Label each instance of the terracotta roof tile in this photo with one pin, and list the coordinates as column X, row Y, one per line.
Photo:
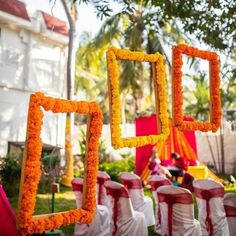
column 15, row 8
column 55, row 24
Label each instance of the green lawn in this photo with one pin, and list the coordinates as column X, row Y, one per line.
column 65, row 200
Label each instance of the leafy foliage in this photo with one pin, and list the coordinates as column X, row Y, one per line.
column 10, row 171
column 114, row 168
column 151, row 26
column 101, row 147
column 205, row 19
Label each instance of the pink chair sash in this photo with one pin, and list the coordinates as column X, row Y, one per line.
column 158, row 183
column 155, row 184
column 77, row 187
column 101, row 181
column 116, row 194
column 230, row 211
column 207, row 195
column 170, row 200
column 132, row 183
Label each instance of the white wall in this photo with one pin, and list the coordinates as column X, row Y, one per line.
column 229, row 138
column 28, row 63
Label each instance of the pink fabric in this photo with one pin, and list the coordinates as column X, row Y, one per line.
column 207, row 195
column 116, row 194
column 230, row 211
column 170, row 199
column 77, row 186
column 101, row 181
column 131, row 183
column 148, row 126
column 154, row 167
column 143, row 153
column 7, row 216
column 158, row 183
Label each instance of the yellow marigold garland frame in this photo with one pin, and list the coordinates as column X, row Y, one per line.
column 177, row 90
column 114, row 54
column 27, row 223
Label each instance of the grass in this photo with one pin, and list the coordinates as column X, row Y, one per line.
column 65, row 200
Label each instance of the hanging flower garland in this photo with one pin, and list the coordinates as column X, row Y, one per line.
column 114, row 54
column 177, row 94
column 28, row 223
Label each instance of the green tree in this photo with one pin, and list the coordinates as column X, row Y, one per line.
column 197, row 98
column 136, row 31
column 155, row 25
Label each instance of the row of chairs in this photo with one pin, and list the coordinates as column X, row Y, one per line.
column 124, row 210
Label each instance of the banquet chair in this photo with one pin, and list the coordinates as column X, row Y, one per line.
column 101, row 191
column 100, row 225
column 157, row 181
column 140, row 202
column 230, row 211
column 126, row 221
column 211, row 213
column 177, row 212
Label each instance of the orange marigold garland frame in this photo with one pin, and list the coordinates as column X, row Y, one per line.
column 177, row 90
column 114, row 54
column 27, row 223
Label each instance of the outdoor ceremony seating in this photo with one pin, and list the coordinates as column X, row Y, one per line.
column 140, row 202
column 126, row 221
column 230, row 211
column 177, row 212
column 211, row 213
column 100, row 226
column 157, row 181
column 101, row 190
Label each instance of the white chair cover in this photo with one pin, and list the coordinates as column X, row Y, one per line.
column 126, row 221
column 140, row 202
column 101, row 190
column 230, row 211
column 211, row 213
column 177, row 212
column 101, row 223
column 157, row 181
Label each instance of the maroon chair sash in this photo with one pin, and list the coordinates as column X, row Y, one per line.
column 170, row 200
column 116, row 194
column 131, row 183
column 158, row 183
column 230, row 211
column 77, row 187
column 207, row 195
column 101, row 181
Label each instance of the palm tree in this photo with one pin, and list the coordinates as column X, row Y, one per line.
column 137, row 31
column 197, row 98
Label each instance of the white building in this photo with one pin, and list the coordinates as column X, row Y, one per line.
column 33, row 52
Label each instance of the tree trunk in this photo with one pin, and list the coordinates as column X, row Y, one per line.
column 69, row 174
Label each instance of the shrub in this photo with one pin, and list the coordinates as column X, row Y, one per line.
column 114, row 168
column 10, row 171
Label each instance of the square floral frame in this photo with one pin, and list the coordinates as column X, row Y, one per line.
column 27, row 223
column 177, row 90
column 114, row 54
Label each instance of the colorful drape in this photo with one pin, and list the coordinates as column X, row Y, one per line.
column 182, row 142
